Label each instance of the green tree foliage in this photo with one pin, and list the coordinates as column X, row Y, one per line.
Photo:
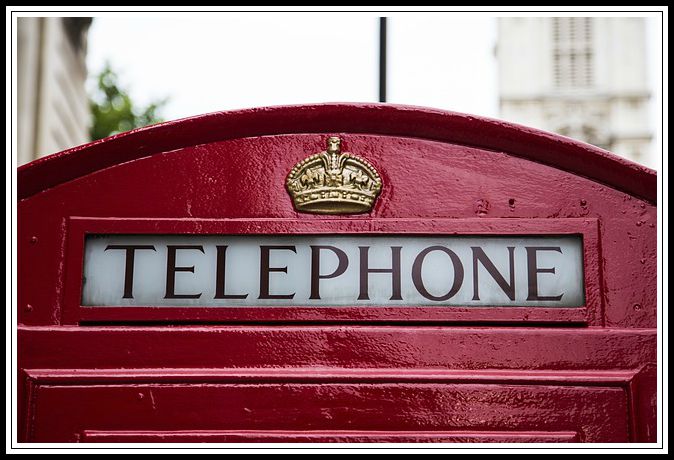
column 114, row 112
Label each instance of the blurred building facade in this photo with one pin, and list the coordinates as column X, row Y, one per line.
column 53, row 108
column 580, row 77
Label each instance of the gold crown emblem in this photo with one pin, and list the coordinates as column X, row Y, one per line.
column 332, row 182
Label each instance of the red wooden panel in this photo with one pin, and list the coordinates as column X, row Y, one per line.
column 414, row 347
column 597, row 414
column 208, row 355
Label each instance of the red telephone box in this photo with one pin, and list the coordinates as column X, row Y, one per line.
column 336, row 273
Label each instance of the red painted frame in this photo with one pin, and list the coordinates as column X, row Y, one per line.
column 560, row 152
column 78, row 227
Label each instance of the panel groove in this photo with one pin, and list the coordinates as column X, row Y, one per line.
column 313, row 375
column 328, row 436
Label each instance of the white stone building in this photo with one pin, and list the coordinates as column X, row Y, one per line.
column 53, row 108
column 577, row 76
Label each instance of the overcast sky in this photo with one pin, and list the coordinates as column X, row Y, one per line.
column 235, row 60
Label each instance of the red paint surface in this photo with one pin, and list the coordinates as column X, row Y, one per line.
column 338, row 374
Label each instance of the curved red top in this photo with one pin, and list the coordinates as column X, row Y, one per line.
column 384, row 119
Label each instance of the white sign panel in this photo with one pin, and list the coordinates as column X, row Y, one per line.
column 339, row 270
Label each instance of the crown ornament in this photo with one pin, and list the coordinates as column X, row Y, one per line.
column 333, row 182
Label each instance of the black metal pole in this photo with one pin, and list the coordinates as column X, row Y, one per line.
column 382, row 59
